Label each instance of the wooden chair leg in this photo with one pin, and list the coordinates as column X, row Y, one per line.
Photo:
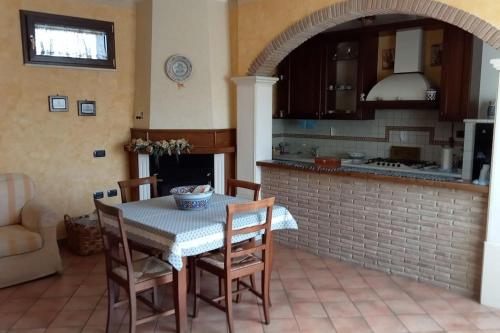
column 238, row 297
column 111, row 304
column 221, row 289
column 229, row 304
column 132, row 311
column 265, row 295
column 196, row 286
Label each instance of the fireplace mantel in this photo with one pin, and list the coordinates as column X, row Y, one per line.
column 219, row 142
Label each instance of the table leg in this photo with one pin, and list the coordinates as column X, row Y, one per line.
column 180, row 297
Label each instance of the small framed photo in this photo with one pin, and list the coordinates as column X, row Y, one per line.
column 58, row 103
column 86, row 108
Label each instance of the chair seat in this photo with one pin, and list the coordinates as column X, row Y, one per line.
column 144, row 269
column 16, row 239
column 217, row 260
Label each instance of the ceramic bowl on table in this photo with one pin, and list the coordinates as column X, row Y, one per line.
column 186, row 200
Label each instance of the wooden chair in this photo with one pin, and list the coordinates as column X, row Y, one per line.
column 233, row 184
column 135, row 277
column 127, row 185
column 233, row 264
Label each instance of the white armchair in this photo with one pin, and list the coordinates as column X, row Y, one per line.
column 28, row 242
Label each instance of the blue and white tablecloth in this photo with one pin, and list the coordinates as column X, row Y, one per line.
column 158, row 223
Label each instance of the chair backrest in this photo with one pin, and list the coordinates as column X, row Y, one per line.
column 233, row 184
column 16, row 189
column 249, row 207
column 114, row 236
column 127, row 185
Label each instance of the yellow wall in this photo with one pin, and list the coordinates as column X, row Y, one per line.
column 55, row 149
column 260, row 21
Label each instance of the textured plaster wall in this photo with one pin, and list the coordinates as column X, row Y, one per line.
column 55, row 149
column 260, row 21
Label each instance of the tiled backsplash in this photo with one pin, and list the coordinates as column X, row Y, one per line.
column 413, row 128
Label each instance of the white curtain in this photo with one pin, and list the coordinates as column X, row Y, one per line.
column 70, row 42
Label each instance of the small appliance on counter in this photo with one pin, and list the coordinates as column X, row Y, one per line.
column 447, row 159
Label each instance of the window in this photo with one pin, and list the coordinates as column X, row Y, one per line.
column 68, row 41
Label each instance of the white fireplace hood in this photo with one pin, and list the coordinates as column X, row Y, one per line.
column 407, row 83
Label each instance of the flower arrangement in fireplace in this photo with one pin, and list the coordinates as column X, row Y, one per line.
column 159, row 148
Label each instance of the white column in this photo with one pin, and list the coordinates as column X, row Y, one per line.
column 254, row 132
column 490, row 285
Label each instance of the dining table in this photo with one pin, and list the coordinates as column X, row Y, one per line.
column 179, row 234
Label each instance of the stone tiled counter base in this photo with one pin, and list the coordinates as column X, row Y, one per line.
column 428, row 233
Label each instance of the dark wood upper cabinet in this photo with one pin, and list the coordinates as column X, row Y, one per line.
column 305, row 81
column 325, row 77
column 457, row 101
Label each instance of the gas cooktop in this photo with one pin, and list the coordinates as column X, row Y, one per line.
column 409, row 166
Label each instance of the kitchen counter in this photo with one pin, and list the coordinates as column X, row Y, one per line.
column 391, row 176
column 427, row 230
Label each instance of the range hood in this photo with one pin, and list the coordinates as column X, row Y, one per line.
column 407, row 83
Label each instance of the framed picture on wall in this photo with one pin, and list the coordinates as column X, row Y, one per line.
column 86, row 108
column 388, row 56
column 436, row 51
column 58, row 103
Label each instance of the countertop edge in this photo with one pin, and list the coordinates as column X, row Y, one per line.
column 369, row 176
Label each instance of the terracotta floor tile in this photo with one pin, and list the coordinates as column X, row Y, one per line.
column 319, row 273
column 90, row 290
column 453, row 322
column 290, row 273
column 7, row 320
column 380, row 281
column 385, row 324
column 437, row 306
column 49, row 304
column 362, row 294
column 17, row 305
column 466, row 305
column 35, row 319
column 341, row 309
column 419, row 323
column 71, row 318
column 278, row 296
column 353, row 282
column 67, row 330
column 373, row 308
column 281, row 311
column 312, row 310
column 319, row 325
column 62, row 290
column 484, row 321
column 391, row 293
column 278, row 326
column 351, row 325
column 296, row 284
column 319, row 283
column 82, row 303
column 404, row 306
column 332, row 295
column 248, row 326
column 312, row 263
column 91, row 329
column 302, row 296
column 27, row 330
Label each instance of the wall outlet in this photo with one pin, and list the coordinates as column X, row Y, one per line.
column 99, row 153
column 98, row 195
column 112, row 193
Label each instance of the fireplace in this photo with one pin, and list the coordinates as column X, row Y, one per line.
column 181, row 170
column 211, row 160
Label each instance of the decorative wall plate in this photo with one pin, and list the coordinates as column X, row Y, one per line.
column 178, row 68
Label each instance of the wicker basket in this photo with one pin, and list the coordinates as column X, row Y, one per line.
column 84, row 236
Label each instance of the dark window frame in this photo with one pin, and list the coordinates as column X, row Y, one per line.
column 28, row 21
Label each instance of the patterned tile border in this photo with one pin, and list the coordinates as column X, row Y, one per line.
column 388, row 129
column 344, row 11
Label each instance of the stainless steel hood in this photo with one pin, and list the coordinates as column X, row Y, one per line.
column 407, row 83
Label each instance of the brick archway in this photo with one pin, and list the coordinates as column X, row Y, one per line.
column 349, row 10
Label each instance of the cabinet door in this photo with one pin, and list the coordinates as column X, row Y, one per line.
column 282, row 109
column 455, row 101
column 305, row 81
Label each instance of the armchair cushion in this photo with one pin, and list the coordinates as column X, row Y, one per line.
column 16, row 239
column 38, row 218
column 15, row 190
